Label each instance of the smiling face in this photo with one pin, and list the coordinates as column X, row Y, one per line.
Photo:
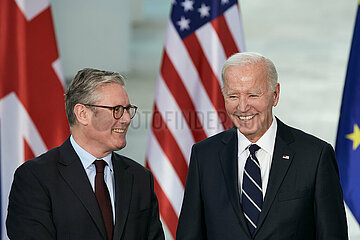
column 101, row 133
column 249, row 99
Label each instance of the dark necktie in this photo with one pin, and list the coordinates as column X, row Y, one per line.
column 252, row 196
column 103, row 198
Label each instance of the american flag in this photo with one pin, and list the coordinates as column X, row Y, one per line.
column 189, row 105
column 32, row 112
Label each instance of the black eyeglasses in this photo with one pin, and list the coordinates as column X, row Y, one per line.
column 118, row 110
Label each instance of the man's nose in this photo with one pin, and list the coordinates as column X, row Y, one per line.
column 242, row 104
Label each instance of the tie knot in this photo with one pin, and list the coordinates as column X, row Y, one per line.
column 253, row 148
column 100, row 165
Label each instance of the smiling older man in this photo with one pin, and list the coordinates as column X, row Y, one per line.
column 260, row 179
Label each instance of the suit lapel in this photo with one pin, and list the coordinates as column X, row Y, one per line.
column 229, row 164
column 123, row 188
column 281, row 161
column 74, row 174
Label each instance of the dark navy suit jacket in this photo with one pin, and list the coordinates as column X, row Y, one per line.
column 51, row 198
column 303, row 199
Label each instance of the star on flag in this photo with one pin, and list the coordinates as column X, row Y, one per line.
column 188, row 5
column 204, row 10
column 184, row 23
column 355, row 137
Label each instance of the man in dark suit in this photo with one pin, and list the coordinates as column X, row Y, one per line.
column 260, row 179
column 66, row 194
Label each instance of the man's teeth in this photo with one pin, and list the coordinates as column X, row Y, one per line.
column 246, row 117
column 118, row 130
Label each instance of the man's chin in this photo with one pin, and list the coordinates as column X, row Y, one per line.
column 246, row 126
column 118, row 147
column 246, row 131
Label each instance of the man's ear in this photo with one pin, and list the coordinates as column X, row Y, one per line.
column 276, row 94
column 82, row 114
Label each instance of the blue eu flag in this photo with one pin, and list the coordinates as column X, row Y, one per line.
column 348, row 136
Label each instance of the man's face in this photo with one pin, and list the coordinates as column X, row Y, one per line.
column 249, row 99
column 104, row 132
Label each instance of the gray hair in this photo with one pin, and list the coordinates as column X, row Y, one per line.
column 247, row 58
column 83, row 89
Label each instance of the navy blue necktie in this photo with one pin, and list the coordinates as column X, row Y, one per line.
column 252, row 196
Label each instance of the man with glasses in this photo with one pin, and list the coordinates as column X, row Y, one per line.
column 83, row 189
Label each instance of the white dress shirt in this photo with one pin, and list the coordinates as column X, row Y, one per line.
column 87, row 161
column 264, row 154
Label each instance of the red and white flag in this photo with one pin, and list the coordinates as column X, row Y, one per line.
column 189, row 105
column 32, row 112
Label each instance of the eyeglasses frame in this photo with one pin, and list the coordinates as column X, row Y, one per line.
column 127, row 108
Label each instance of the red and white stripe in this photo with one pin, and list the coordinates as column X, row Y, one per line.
column 32, row 113
column 189, row 104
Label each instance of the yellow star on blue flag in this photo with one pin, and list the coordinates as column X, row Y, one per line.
column 348, row 136
column 355, row 137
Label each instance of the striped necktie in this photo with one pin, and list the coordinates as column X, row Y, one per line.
column 252, row 196
column 103, row 198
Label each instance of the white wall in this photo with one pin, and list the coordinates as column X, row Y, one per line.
column 92, row 33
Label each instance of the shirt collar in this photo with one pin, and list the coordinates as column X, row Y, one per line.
column 86, row 158
column 266, row 142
